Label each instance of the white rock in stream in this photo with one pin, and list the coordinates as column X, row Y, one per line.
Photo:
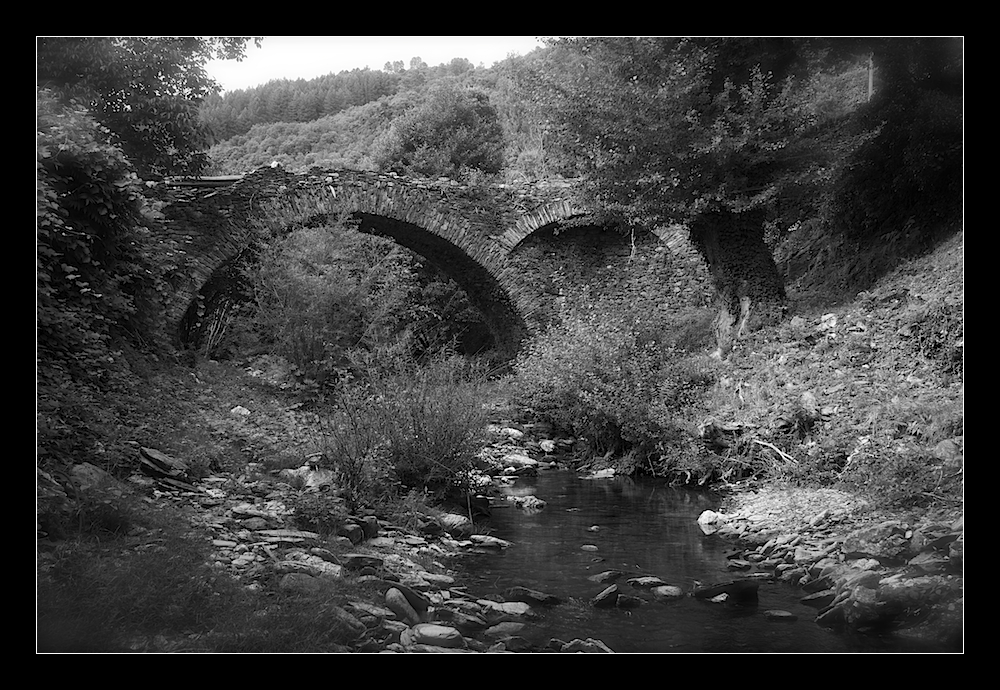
column 486, row 540
column 710, row 521
column 517, row 461
column 513, row 608
column 528, row 503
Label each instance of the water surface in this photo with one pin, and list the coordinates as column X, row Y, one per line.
column 642, row 528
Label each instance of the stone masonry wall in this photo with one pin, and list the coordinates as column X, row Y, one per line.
column 505, row 246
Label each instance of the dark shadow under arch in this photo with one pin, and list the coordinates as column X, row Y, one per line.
column 506, row 325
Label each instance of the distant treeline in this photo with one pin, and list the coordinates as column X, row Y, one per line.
column 302, row 100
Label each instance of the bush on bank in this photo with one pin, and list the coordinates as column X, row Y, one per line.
column 403, row 426
column 624, row 383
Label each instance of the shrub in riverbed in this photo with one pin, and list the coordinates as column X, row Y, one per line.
column 404, row 426
column 616, row 380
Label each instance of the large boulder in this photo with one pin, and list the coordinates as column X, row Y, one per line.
column 399, row 605
column 435, row 635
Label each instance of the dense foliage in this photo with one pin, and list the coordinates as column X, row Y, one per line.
column 405, row 427
column 284, row 100
column 97, row 273
column 618, row 379
column 344, row 140
column 147, row 91
column 109, row 110
column 298, row 100
column 454, row 132
column 903, row 174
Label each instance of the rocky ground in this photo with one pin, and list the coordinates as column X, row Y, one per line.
column 405, row 597
column 864, row 572
column 870, row 376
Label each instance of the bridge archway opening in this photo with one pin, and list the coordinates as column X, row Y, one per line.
column 505, row 326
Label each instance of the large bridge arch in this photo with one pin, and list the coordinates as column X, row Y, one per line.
column 434, row 220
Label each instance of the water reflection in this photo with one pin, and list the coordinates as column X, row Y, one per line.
column 641, row 528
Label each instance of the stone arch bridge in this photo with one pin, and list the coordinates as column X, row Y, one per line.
column 517, row 252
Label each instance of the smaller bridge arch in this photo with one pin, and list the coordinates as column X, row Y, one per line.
column 546, row 214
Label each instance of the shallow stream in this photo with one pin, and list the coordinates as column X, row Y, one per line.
column 641, row 527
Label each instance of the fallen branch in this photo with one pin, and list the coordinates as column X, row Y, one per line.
column 784, row 455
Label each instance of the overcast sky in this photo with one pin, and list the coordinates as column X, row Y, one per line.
column 307, row 57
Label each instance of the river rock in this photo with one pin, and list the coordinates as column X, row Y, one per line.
column 369, row 610
column 886, row 541
column 466, row 623
column 527, row 503
column 709, row 521
column 627, row 601
column 357, row 561
column 159, row 465
column 513, row 608
column 819, row 600
column 607, row 598
column 454, row 524
column 741, row 591
column 930, row 562
column 531, row 596
column 517, row 461
column 352, row 531
column 779, row 615
column 399, row 605
column 291, row 536
column 513, row 433
column 436, row 635
column 488, row 541
column 588, row 646
column 369, row 526
column 504, row 628
column 606, row 576
column 667, row 592
column 87, row 476
column 256, row 524
column 645, row 582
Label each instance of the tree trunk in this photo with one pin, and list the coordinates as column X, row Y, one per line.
column 750, row 291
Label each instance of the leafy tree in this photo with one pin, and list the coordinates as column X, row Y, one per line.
column 98, row 276
column 145, row 90
column 699, row 133
column 903, row 173
column 453, row 132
